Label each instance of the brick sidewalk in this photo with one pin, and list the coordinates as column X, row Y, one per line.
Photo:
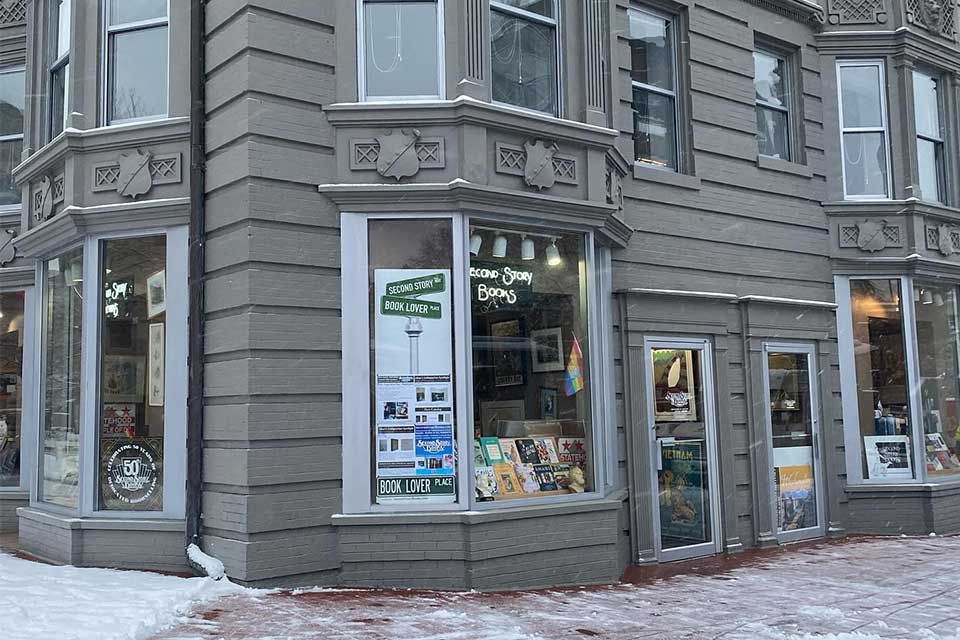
column 867, row 589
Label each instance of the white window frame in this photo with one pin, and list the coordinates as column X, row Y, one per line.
column 27, row 376
column 4, row 71
column 553, row 22
column 884, row 129
column 57, row 64
column 175, row 379
column 673, row 93
column 938, row 142
column 362, row 58
column 357, row 476
column 106, row 35
column 786, row 107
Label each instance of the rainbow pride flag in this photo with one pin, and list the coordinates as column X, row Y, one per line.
column 574, row 377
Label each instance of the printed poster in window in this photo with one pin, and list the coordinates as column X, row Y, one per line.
column 131, row 474
column 156, row 344
column 507, row 353
column 123, row 378
column 796, row 502
column 674, row 392
column 414, row 426
column 683, row 491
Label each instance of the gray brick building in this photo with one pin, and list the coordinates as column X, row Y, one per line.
column 480, row 294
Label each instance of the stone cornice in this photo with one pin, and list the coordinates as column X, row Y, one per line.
column 801, row 10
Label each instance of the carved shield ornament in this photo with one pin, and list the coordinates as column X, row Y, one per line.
column 134, row 179
column 538, row 171
column 8, row 252
column 398, row 154
column 43, row 205
column 945, row 240
column 870, row 236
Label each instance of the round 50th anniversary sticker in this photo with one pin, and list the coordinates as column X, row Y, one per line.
column 132, row 473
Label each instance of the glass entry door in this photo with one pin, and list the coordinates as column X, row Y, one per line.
column 792, row 413
column 681, row 416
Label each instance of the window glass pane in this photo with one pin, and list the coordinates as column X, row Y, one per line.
column 11, row 386
column 651, row 49
column 59, row 98
column 865, row 164
column 62, row 22
column 926, row 105
column 62, row 342
column 12, row 90
column 400, row 51
column 138, row 74
column 10, row 151
column 937, row 344
column 654, row 124
column 770, row 79
column 543, row 7
column 860, row 96
column 531, row 354
column 524, row 61
column 882, row 388
column 928, row 165
column 124, row 11
column 413, row 425
column 132, row 365
column 773, row 133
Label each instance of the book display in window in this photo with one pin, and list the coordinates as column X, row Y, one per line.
column 539, row 465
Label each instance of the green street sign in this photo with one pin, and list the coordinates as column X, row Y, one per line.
column 433, row 283
column 410, row 487
column 410, row 307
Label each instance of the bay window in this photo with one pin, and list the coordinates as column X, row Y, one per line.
column 864, row 144
column 401, row 49
column 653, row 73
column 136, row 60
column 926, row 107
column 11, row 132
column 524, row 54
column 12, row 339
column 59, row 69
column 469, row 376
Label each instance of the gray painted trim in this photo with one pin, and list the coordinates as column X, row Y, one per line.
column 17, row 277
column 678, row 293
column 788, row 301
column 127, row 524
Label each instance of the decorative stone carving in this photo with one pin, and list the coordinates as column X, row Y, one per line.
column 42, row 200
column 856, row 12
column 12, row 11
column 397, row 157
column 870, row 235
column 163, row 168
column 365, row 152
column 936, row 16
column 538, row 170
column 512, row 160
column 57, row 189
column 614, row 186
column 944, row 238
column 7, row 251
column 134, row 178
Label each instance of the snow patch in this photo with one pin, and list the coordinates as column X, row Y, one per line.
column 210, row 565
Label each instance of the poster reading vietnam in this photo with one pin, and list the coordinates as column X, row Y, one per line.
column 683, row 493
column 413, row 366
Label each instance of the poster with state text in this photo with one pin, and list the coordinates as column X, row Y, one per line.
column 414, row 446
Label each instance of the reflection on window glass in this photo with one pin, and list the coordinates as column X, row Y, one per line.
column 791, row 422
column 400, row 49
column 651, row 50
column 770, row 86
column 926, row 104
column 127, row 11
column 60, row 98
column 654, row 92
column 937, row 344
column 865, row 164
column 541, row 7
column 864, row 143
column 882, row 390
column 413, row 422
column 523, row 56
column 11, row 387
column 11, row 132
column 654, row 125
column 531, row 377
column 62, row 26
column 137, row 60
column 61, row 345
column 860, row 96
column 683, row 472
column 132, row 362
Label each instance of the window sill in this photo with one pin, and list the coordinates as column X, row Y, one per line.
column 128, row 523
column 947, row 484
column 665, row 176
column 770, row 163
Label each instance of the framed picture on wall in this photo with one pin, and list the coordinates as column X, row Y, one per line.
column 507, row 353
column 123, row 378
column 156, row 346
column 156, row 294
column 546, row 349
column 548, row 403
column 888, row 457
column 491, row 413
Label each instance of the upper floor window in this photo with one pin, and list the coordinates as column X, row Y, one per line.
column 654, row 75
column 863, row 129
column 11, row 132
column 926, row 106
column 136, row 60
column 59, row 81
column 402, row 50
column 523, row 54
column 771, row 82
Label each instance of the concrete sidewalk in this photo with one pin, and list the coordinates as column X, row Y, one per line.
column 908, row 589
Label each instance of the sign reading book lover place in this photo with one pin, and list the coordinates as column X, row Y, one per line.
column 413, row 414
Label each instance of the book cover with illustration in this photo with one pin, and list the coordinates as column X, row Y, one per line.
column 527, row 478
column 478, row 459
column 547, row 450
column 507, row 481
column 486, row 484
column 562, row 473
column 491, row 451
column 508, row 448
column 527, row 449
column 545, row 477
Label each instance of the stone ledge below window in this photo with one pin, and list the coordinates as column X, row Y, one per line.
column 770, row 163
column 665, row 176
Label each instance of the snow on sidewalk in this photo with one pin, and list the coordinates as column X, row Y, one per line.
column 877, row 589
column 39, row 601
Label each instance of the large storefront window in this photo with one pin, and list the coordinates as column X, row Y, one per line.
column 60, row 379
column 531, row 391
column 133, row 347
column 11, row 386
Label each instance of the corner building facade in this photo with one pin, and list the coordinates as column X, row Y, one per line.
column 487, row 294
